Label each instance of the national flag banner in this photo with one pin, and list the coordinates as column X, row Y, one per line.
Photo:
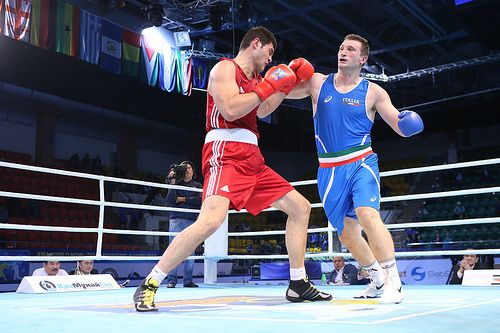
column 43, row 23
column 167, row 68
column 2, row 16
column 200, row 73
column 150, row 52
column 111, row 47
column 68, row 29
column 183, row 79
column 17, row 19
column 131, row 52
column 189, row 76
column 90, row 37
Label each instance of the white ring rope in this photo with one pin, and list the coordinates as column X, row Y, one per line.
column 102, row 203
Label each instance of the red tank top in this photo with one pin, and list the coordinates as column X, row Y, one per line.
column 215, row 118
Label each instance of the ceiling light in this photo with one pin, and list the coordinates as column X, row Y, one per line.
column 216, row 18
column 182, row 39
column 155, row 15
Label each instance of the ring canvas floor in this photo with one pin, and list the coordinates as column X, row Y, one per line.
column 251, row 308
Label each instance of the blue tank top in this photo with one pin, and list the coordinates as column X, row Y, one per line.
column 342, row 126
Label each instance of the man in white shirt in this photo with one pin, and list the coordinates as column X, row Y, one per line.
column 50, row 268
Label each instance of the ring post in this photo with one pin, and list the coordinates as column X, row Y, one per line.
column 215, row 249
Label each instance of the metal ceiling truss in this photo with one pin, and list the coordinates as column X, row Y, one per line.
column 435, row 69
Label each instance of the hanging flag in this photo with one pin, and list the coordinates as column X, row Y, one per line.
column 17, row 19
column 2, row 16
column 131, row 52
column 43, row 23
column 90, row 37
column 199, row 73
column 167, row 64
column 189, row 76
column 183, row 79
column 68, row 29
column 111, row 48
column 150, row 51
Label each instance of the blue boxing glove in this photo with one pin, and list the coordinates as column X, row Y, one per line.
column 410, row 123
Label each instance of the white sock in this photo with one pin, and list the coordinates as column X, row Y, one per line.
column 298, row 273
column 376, row 272
column 157, row 274
column 391, row 270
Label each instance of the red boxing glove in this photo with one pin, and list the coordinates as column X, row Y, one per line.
column 276, row 78
column 302, row 69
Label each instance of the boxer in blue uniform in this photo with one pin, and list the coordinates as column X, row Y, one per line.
column 344, row 106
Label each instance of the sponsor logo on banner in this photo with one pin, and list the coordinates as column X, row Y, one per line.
column 48, row 286
column 418, row 274
column 43, row 284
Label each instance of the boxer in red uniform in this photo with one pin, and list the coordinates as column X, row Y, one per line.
column 235, row 172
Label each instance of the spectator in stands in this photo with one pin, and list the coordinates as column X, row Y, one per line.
column 438, row 242
column 447, row 241
column 469, row 262
column 4, row 213
column 84, row 267
column 417, row 242
column 125, row 216
column 50, row 268
column 135, row 218
column 266, row 248
column 485, row 176
column 410, row 234
column 87, row 163
column 74, row 161
column 250, row 248
column 343, row 273
column 459, row 211
column 97, row 165
column 459, row 180
column 417, row 217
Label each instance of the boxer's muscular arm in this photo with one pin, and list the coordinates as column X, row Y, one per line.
column 405, row 123
column 307, row 88
column 223, row 88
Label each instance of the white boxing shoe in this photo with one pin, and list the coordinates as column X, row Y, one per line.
column 371, row 291
column 393, row 292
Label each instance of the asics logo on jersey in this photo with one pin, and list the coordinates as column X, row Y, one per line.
column 328, row 99
column 225, row 188
column 373, row 198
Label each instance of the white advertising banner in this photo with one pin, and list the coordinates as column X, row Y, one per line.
column 481, row 277
column 51, row 284
column 424, row 271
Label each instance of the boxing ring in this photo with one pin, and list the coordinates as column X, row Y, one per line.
column 217, row 306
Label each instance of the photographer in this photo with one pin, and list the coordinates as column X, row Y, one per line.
column 182, row 175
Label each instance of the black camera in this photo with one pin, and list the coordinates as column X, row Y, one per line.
column 179, row 172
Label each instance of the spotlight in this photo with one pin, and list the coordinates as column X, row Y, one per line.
column 206, row 45
column 155, row 15
column 182, row 39
column 216, row 17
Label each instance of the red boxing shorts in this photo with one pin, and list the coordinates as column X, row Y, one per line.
column 237, row 171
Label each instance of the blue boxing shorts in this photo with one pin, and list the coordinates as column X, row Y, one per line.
column 345, row 187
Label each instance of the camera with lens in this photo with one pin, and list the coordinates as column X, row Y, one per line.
column 179, row 172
